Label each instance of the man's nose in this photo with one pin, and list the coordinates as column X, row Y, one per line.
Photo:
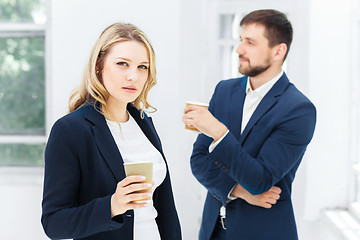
column 240, row 49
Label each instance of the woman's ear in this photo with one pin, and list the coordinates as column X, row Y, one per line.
column 97, row 71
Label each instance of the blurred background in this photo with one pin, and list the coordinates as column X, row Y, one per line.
column 45, row 44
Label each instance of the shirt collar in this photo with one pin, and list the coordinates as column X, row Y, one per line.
column 263, row 89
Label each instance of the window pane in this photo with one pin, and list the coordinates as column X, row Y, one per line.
column 22, row 11
column 226, row 22
column 22, row 86
column 21, row 154
column 235, row 63
column 225, row 59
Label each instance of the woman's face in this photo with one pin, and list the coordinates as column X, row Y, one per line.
column 125, row 71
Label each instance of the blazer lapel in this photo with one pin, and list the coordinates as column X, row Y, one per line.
column 105, row 142
column 236, row 107
column 266, row 103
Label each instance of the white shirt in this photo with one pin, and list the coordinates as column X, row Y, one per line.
column 134, row 147
column 252, row 100
column 254, row 97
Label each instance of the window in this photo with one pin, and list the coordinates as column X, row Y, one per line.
column 229, row 33
column 22, row 82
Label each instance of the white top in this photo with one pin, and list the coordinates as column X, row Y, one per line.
column 254, row 97
column 134, row 147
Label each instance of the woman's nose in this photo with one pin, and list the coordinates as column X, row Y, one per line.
column 131, row 75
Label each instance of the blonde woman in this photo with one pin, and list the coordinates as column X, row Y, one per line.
column 86, row 192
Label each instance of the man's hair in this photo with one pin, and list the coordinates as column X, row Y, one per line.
column 278, row 28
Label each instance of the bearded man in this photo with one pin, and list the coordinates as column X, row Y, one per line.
column 254, row 135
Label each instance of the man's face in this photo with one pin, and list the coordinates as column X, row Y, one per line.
column 255, row 55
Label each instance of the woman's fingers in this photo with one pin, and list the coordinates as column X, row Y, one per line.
column 136, row 197
column 135, row 187
column 131, row 179
column 127, row 193
column 135, row 205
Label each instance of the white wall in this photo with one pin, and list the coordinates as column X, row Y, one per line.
column 179, row 31
column 76, row 25
column 325, row 176
column 329, row 77
column 20, row 206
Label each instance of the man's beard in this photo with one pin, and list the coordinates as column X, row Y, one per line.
column 256, row 70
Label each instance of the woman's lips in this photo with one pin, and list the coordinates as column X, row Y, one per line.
column 129, row 89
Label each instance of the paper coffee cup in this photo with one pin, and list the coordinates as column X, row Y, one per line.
column 197, row 104
column 144, row 169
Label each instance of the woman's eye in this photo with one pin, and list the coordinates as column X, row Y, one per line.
column 143, row 67
column 122, row 63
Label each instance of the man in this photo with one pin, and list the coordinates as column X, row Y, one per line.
column 254, row 136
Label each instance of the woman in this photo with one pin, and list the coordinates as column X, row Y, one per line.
column 86, row 192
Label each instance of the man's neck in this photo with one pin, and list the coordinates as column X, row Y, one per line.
column 264, row 77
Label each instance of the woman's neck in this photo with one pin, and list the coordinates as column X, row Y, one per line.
column 117, row 111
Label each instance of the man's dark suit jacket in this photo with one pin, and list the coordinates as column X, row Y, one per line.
column 267, row 153
column 82, row 168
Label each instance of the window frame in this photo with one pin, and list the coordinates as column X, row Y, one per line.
column 31, row 29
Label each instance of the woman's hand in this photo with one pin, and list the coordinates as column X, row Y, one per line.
column 127, row 192
column 265, row 200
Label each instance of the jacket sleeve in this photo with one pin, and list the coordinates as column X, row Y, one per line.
column 62, row 216
column 207, row 171
column 281, row 151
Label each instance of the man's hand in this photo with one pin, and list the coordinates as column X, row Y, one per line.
column 265, row 200
column 200, row 118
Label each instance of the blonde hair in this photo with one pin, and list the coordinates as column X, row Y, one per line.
column 92, row 89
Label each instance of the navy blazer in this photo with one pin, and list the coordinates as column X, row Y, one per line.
column 82, row 168
column 267, row 153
